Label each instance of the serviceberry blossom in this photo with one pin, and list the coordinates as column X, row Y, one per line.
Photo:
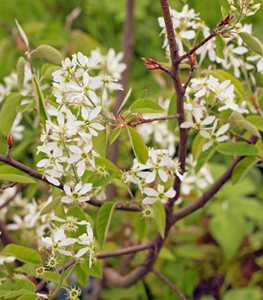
column 195, row 182
column 69, row 224
column 215, row 136
column 78, row 194
column 58, row 242
column 153, row 195
column 87, row 240
column 198, row 123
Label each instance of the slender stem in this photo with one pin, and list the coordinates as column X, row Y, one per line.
column 199, row 45
column 143, row 121
column 175, row 60
column 180, row 295
column 125, row 251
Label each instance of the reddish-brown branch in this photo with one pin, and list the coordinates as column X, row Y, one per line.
column 199, row 45
column 180, row 295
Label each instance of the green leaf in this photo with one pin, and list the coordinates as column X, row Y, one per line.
column 124, row 101
column 8, row 112
column 105, row 172
column 100, row 142
column 228, row 229
column 25, row 107
column 138, row 146
column 238, row 148
column 220, row 45
column 23, row 253
column 204, row 157
column 257, row 121
column 115, row 134
column 242, row 168
column 20, row 69
column 47, row 70
column 159, row 217
column 252, row 42
column 9, row 173
column 24, row 284
column 103, row 221
column 40, row 102
column 145, row 106
column 96, row 270
column 246, row 293
column 47, row 53
column 22, row 34
column 29, row 296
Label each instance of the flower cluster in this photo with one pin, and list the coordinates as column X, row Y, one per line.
column 60, row 241
column 188, row 27
column 244, row 7
column 201, row 96
column 152, row 178
column 83, row 88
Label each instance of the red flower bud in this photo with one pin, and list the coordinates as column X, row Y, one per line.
column 10, row 140
column 151, row 64
column 192, row 59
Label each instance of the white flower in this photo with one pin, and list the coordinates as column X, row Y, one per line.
column 82, row 157
column 6, row 259
column 77, row 195
column 87, row 240
column 215, row 136
column 198, row 123
column 159, row 195
column 89, row 122
column 58, row 242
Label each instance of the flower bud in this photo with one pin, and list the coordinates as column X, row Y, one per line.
column 10, row 140
column 192, row 59
column 151, row 64
column 233, row 8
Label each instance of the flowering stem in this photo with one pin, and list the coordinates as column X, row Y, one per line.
column 199, row 45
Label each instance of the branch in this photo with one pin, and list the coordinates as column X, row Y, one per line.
column 9, row 185
column 35, row 174
column 170, row 284
column 175, row 59
column 199, row 45
column 125, row 251
column 189, row 209
column 143, row 121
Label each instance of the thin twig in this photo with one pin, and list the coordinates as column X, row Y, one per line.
column 180, row 295
column 35, row 174
column 8, row 186
column 199, row 45
column 143, row 121
column 125, row 251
